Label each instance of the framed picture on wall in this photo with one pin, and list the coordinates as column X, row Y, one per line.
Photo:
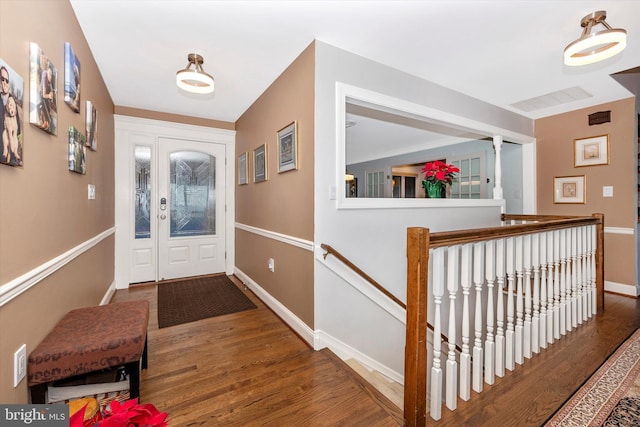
column 591, row 151
column 287, row 148
column 11, row 114
column 91, row 126
column 43, row 110
column 77, row 151
column 243, row 176
column 569, row 189
column 71, row 78
column 260, row 163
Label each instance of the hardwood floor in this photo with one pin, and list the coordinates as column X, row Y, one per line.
column 249, row 369
column 530, row 395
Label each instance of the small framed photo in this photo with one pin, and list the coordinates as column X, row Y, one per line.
column 11, row 114
column 569, row 189
column 71, row 78
column 287, row 148
column 591, row 151
column 43, row 108
column 77, row 151
column 243, row 176
column 91, row 126
column 260, row 163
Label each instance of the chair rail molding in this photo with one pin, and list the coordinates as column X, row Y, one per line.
column 15, row 287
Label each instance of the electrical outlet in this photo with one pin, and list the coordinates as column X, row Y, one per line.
column 272, row 265
column 19, row 365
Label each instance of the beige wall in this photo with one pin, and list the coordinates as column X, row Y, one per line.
column 44, row 211
column 175, row 118
column 555, row 157
column 284, row 203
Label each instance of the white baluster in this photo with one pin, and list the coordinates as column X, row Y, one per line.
column 535, row 323
column 586, row 307
column 594, row 291
column 500, row 308
column 586, row 269
column 465, row 356
column 478, row 279
column 582, row 313
column 579, row 275
column 519, row 303
column 437, row 286
column 563, row 281
column 556, row 284
column 526, row 265
column 451, row 383
column 543, row 290
column 567, row 291
column 551, row 309
column 489, row 345
column 510, row 334
column 574, row 278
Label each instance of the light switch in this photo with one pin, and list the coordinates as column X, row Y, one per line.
column 607, row 191
column 91, row 191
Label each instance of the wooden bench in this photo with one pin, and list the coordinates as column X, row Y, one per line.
column 91, row 339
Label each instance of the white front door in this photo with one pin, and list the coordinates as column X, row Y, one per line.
column 190, row 208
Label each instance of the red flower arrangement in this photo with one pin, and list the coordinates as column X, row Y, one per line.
column 127, row 414
column 438, row 171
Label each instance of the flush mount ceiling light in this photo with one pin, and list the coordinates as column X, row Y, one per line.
column 594, row 47
column 194, row 79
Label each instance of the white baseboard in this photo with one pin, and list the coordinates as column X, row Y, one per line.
column 345, row 352
column 106, row 299
column 620, row 288
column 283, row 312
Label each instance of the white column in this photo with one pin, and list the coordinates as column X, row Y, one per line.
column 451, row 383
column 563, row 281
column 510, row 333
column 574, row 278
column 528, row 297
column 519, row 303
column 465, row 356
column 497, row 187
column 500, row 344
column 489, row 345
column 543, row 290
column 437, row 287
column 478, row 279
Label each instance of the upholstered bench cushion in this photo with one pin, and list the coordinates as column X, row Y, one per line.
column 90, row 339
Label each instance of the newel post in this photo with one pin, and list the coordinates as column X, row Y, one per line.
column 599, row 262
column 415, row 359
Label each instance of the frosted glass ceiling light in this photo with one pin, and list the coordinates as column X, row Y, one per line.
column 195, row 79
column 594, row 47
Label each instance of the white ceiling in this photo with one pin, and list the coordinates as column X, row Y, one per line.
column 500, row 51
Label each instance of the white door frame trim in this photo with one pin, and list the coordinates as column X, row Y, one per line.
column 132, row 130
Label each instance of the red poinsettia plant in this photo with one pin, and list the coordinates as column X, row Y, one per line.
column 438, row 171
column 127, row 414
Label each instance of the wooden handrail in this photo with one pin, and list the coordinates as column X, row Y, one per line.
column 361, row 273
column 330, row 250
column 419, row 242
column 459, row 237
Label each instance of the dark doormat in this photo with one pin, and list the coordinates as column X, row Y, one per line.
column 194, row 299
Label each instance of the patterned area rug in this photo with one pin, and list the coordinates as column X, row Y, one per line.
column 611, row 397
column 189, row 300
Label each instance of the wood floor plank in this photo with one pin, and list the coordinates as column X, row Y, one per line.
column 532, row 393
column 250, row 369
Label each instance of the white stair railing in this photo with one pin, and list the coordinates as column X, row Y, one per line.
column 550, row 281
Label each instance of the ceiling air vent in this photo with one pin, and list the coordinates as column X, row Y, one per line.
column 552, row 99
